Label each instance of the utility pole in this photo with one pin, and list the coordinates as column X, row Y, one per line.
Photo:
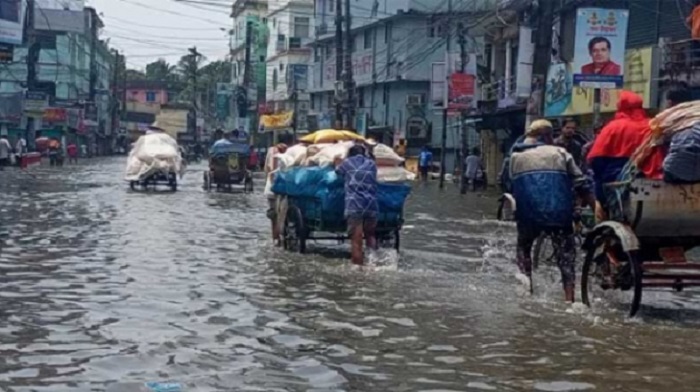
column 295, row 102
column 543, row 54
column 463, row 116
column 338, row 63
column 443, row 155
column 115, row 92
column 248, row 68
column 195, row 59
column 32, row 59
column 349, row 82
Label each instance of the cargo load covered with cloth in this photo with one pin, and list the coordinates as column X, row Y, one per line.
column 323, row 186
column 153, row 153
column 671, row 149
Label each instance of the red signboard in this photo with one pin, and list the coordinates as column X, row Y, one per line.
column 55, row 115
column 461, row 91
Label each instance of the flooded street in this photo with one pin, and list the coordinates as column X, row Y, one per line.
column 103, row 289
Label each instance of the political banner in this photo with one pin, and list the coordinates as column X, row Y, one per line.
column 599, row 52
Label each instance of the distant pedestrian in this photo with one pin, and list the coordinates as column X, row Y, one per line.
column 425, row 160
column 72, row 151
column 20, row 150
column 474, row 168
column 271, row 166
column 5, row 151
column 253, row 160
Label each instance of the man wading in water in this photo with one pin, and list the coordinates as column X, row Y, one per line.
column 361, row 208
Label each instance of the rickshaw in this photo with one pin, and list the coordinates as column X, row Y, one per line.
column 166, row 177
column 310, row 218
column 645, row 243
column 228, row 167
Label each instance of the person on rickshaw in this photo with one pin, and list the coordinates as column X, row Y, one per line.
column 545, row 179
column 617, row 141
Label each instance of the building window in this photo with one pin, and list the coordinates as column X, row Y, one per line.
column 385, row 94
column 281, row 67
column 331, row 6
column 361, row 97
column 262, row 58
column 150, row 96
column 275, row 76
column 302, row 27
column 368, row 38
column 436, row 28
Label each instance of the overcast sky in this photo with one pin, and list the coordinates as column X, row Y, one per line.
column 150, row 29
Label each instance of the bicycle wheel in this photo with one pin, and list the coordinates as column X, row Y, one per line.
column 607, row 267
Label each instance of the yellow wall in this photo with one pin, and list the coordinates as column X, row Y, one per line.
column 173, row 121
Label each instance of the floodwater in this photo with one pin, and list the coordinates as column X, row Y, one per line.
column 103, row 289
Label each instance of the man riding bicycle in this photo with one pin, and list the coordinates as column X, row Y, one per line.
column 545, row 179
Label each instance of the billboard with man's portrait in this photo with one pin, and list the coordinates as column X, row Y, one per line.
column 599, row 53
column 12, row 21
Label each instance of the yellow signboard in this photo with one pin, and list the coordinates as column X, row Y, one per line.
column 562, row 99
column 276, row 121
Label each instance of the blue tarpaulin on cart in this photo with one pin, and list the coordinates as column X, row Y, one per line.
column 324, row 185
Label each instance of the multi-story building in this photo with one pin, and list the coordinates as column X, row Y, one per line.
column 148, row 92
column 394, row 46
column 70, row 98
column 291, row 29
column 249, row 16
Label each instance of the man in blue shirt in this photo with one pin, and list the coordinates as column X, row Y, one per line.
column 425, row 159
column 361, row 207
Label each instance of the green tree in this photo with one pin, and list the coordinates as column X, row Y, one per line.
column 161, row 71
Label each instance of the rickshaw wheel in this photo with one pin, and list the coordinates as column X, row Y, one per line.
column 626, row 276
column 397, row 239
column 207, row 181
column 132, row 185
column 294, row 231
column 172, row 182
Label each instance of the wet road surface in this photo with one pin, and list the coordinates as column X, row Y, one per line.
column 102, row 289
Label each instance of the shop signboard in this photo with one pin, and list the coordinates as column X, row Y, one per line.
column 599, row 51
column 12, row 14
column 35, row 101
column 55, row 115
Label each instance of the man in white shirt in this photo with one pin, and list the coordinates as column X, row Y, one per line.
column 5, row 151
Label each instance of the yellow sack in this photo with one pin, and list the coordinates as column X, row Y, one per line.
column 330, row 136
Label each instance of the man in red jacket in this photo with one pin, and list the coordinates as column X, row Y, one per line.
column 599, row 49
column 617, row 141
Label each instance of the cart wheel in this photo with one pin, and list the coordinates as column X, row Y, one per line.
column 397, row 239
column 173, row 182
column 294, row 231
column 132, row 185
column 207, row 181
column 608, row 267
